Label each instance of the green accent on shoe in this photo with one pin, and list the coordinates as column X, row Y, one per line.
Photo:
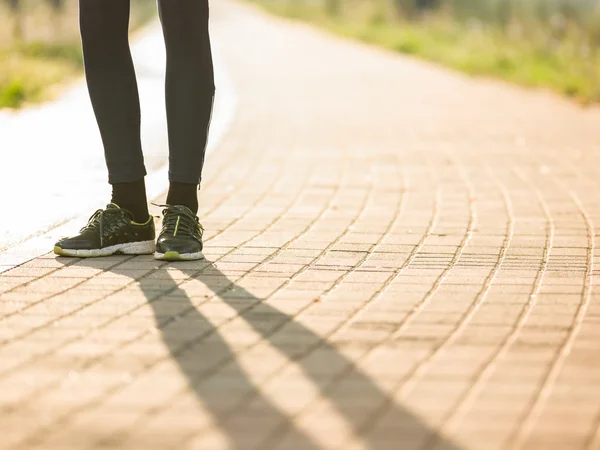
column 172, row 256
column 176, row 226
column 150, row 219
column 109, row 231
column 181, row 235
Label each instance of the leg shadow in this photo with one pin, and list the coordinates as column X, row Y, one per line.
column 356, row 397
column 197, row 348
column 199, row 351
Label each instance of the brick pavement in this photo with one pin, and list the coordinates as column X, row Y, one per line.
column 398, row 257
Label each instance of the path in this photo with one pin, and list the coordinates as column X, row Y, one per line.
column 399, row 257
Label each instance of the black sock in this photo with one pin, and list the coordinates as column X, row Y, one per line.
column 132, row 197
column 183, row 194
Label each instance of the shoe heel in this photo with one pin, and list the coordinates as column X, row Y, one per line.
column 140, row 248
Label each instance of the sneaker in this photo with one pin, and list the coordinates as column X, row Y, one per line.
column 181, row 236
column 108, row 232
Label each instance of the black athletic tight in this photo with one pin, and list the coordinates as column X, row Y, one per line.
column 113, row 88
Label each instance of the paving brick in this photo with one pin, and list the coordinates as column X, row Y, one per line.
column 380, row 274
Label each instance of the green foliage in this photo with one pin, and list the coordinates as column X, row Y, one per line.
column 62, row 52
column 547, row 43
column 40, row 47
column 13, row 94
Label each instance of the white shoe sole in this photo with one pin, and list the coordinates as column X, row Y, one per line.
column 175, row 256
column 130, row 248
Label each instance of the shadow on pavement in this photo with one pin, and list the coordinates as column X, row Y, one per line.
column 197, row 348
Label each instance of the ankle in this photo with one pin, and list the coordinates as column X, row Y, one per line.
column 132, row 197
column 184, row 194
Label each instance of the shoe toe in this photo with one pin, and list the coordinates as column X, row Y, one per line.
column 75, row 244
column 175, row 244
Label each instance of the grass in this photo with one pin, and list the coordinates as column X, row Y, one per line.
column 569, row 65
column 33, row 72
column 36, row 65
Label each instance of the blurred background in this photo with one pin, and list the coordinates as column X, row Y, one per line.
column 40, row 46
column 547, row 43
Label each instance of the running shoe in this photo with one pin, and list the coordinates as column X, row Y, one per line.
column 181, row 236
column 110, row 231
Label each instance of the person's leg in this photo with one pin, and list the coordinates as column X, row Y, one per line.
column 113, row 91
column 112, row 86
column 190, row 92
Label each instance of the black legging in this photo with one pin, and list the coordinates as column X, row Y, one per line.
column 113, row 88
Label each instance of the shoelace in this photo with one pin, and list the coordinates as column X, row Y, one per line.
column 180, row 221
column 96, row 221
